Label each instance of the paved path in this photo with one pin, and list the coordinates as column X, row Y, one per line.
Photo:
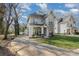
column 25, row 47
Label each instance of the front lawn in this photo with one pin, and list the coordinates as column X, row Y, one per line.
column 62, row 41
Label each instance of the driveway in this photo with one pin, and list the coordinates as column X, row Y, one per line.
column 23, row 46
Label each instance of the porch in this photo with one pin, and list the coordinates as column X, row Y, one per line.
column 38, row 31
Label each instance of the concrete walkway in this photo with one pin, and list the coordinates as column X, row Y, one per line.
column 24, row 47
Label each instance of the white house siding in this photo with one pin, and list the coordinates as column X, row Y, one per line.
column 55, row 26
column 63, row 28
column 50, row 22
column 46, row 21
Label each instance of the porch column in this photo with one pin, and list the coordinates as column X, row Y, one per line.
column 47, row 33
column 30, row 31
column 42, row 30
column 71, row 31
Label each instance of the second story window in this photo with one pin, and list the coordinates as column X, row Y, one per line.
column 50, row 23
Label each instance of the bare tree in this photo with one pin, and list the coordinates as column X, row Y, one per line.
column 16, row 26
column 8, row 18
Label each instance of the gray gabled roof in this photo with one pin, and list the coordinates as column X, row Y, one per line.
column 67, row 18
column 37, row 15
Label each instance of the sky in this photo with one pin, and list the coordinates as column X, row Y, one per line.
column 59, row 9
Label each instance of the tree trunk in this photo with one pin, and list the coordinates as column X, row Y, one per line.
column 16, row 23
column 16, row 28
column 6, row 32
column 1, row 26
column 8, row 22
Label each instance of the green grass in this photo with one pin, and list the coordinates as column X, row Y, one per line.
column 62, row 41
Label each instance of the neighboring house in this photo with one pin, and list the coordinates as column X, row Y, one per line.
column 65, row 25
column 47, row 24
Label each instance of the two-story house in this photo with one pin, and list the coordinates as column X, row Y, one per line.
column 48, row 24
column 40, row 25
